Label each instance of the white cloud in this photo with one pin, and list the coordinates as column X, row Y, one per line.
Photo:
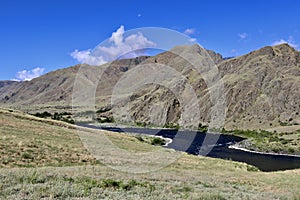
column 117, row 37
column 189, row 31
column 290, row 42
column 192, row 39
column 27, row 75
column 139, row 15
column 86, row 57
column 119, row 45
column 243, row 35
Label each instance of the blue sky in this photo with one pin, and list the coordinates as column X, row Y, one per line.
column 40, row 35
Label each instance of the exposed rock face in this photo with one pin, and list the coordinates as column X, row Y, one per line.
column 261, row 88
column 7, row 89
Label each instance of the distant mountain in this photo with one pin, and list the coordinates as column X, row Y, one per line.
column 7, row 89
column 261, row 88
column 54, row 89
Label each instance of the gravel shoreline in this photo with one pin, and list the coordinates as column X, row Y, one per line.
column 239, row 147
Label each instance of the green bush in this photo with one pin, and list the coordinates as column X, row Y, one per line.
column 202, row 128
column 284, row 123
column 172, row 126
column 158, row 141
column 109, row 183
column 251, row 168
column 142, row 124
column 291, row 150
column 43, row 115
column 106, row 120
column 57, row 116
column 27, row 155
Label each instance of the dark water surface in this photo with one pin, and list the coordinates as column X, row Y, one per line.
column 213, row 145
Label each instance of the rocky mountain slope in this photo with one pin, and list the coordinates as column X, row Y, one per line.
column 54, row 89
column 261, row 88
column 7, row 88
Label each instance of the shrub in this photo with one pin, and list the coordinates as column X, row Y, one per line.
column 202, row 128
column 291, row 150
column 139, row 138
column 283, row 123
column 106, row 120
column 109, row 183
column 27, row 156
column 142, row 124
column 129, row 185
column 276, row 149
column 158, row 141
column 43, row 115
column 251, row 168
column 69, row 120
column 172, row 126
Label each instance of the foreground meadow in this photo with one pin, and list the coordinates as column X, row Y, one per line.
column 45, row 159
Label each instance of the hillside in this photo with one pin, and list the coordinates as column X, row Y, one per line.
column 7, row 89
column 39, row 146
column 28, row 141
column 261, row 88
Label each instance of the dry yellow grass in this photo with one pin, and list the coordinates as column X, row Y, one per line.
column 29, row 141
column 282, row 129
column 188, row 177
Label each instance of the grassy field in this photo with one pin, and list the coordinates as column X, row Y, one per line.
column 270, row 142
column 57, row 166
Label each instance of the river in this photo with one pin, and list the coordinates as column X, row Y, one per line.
column 194, row 142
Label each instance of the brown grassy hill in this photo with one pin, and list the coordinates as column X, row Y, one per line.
column 51, row 88
column 54, row 90
column 261, row 88
column 7, row 89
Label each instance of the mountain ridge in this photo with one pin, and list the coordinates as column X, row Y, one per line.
column 261, row 87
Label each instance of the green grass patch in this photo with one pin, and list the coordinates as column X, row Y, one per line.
column 266, row 141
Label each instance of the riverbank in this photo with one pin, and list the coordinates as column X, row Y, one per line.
column 262, row 141
column 237, row 146
column 220, row 149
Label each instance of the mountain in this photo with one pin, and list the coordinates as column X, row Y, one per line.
column 261, row 88
column 54, row 89
column 7, row 88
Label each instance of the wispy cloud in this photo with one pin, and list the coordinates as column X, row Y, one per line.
column 234, row 51
column 86, row 56
column 243, row 35
column 132, row 45
column 189, row 31
column 290, row 41
column 192, row 39
column 27, row 75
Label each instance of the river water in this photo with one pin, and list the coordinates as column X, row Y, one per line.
column 213, row 145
